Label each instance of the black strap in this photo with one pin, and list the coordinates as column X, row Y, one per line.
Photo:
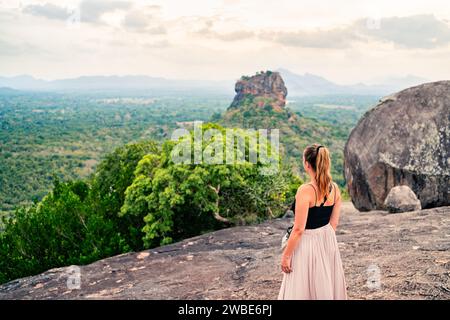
column 325, row 198
column 314, row 192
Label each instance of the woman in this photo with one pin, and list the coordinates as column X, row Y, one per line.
column 311, row 261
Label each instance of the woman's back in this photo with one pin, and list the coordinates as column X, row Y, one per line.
column 319, row 215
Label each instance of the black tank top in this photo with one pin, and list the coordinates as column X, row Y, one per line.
column 318, row 216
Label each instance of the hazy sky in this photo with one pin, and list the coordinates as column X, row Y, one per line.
column 345, row 41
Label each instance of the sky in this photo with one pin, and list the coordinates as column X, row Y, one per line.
column 345, row 41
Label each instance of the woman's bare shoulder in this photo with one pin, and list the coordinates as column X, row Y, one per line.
column 336, row 186
column 337, row 190
column 305, row 189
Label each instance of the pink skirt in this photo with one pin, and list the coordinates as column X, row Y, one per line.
column 317, row 271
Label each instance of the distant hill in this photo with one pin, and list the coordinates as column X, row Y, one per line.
column 120, row 84
column 400, row 83
column 311, row 85
column 23, row 82
column 298, row 85
column 5, row 91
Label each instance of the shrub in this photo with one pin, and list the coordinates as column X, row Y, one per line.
column 61, row 230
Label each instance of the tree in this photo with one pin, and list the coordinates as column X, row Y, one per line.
column 61, row 230
column 181, row 200
column 112, row 177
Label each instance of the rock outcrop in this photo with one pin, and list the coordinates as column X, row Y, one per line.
column 409, row 252
column 401, row 199
column 404, row 140
column 261, row 90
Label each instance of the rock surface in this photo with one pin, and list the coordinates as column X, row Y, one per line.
column 263, row 88
column 408, row 253
column 404, row 140
column 401, row 199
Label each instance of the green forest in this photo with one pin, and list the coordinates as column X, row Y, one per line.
column 87, row 177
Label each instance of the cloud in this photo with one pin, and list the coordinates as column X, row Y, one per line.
column 14, row 49
column 47, row 10
column 418, row 31
column 8, row 49
column 423, row 31
column 136, row 20
column 144, row 20
column 90, row 10
column 157, row 44
column 333, row 38
column 226, row 36
column 208, row 30
column 415, row 32
column 234, row 36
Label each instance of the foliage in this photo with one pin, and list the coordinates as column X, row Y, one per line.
column 181, row 200
column 42, row 134
column 112, row 177
column 61, row 230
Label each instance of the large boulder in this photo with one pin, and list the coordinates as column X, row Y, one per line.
column 401, row 199
column 404, row 140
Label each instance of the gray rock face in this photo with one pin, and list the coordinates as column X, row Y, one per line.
column 264, row 88
column 401, row 199
column 243, row 263
column 404, row 140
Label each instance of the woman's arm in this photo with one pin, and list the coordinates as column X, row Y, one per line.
column 302, row 199
column 334, row 219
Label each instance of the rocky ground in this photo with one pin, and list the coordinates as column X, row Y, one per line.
column 408, row 252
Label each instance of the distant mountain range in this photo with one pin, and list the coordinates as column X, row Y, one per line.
column 311, row 85
column 5, row 91
column 120, row 84
column 297, row 85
